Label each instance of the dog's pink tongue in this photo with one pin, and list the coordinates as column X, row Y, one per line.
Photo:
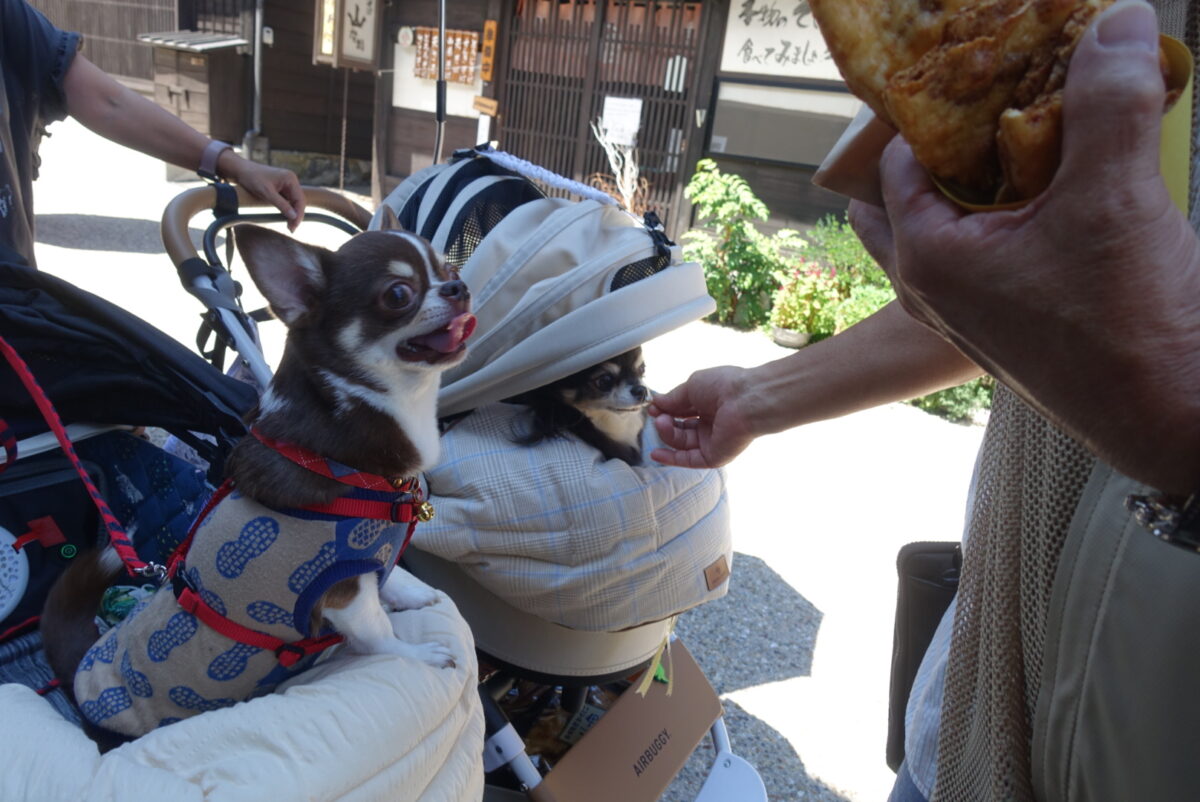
column 450, row 338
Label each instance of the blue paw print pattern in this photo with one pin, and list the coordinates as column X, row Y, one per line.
column 137, row 608
column 207, row 596
column 310, row 570
column 103, row 652
column 188, row 699
column 213, row 600
column 179, row 629
column 255, row 538
column 110, row 702
column 265, row 612
column 137, row 682
column 365, row 532
column 230, row 664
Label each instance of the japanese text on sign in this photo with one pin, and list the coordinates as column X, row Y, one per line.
column 776, row 37
column 358, row 30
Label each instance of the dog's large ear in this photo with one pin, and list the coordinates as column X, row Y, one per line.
column 287, row 272
column 388, row 221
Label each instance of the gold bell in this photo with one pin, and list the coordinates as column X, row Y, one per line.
column 424, row 512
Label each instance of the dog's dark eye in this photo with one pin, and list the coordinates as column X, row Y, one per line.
column 398, row 296
column 604, row 382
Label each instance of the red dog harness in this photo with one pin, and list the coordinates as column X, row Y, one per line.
column 410, row 508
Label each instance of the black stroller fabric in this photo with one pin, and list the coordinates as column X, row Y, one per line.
column 98, row 363
column 458, row 204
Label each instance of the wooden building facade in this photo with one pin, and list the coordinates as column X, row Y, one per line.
column 302, row 103
column 747, row 83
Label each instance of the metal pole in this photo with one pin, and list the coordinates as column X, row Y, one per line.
column 441, row 85
column 250, row 137
column 345, row 116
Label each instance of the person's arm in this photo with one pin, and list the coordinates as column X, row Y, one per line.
column 118, row 113
column 711, row 418
column 1087, row 301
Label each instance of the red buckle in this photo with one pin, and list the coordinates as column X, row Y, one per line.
column 288, row 654
column 402, row 511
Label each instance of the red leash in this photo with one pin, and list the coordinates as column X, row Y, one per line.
column 116, row 533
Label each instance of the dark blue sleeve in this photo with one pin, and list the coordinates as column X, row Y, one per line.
column 38, row 54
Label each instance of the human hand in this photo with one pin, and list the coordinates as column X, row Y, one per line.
column 1086, row 300
column 702, row 422
column 272, row 185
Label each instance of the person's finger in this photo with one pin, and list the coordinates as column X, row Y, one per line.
column 677, row 402
column 874, row 230
column 910, row 197
column 295, row 195
column 1113, row 100
column 665, row 456
column 674, row 435
column 689, row 458
column 266, row 193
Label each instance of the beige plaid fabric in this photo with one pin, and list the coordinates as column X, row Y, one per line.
column 561, row 533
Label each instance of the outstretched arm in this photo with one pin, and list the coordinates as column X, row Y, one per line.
column 711, row 418
column 122, row 115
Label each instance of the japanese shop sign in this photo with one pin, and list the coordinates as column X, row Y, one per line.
column 775, row 37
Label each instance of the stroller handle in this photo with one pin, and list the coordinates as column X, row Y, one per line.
column 186, row 205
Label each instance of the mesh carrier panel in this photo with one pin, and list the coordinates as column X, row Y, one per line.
column 483, row 214
column 1031, row 477
column 463, row 176
column 636, row 271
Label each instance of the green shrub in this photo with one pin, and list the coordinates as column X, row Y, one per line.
column 740, row 262
column 807, row 300
column 833, row 243
column 862, row 286
column 864, row 301
column 863, row 289
column 959, row 404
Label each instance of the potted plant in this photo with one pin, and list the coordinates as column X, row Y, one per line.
column 804, row 305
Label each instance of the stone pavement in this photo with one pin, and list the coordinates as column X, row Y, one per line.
column 799, row 650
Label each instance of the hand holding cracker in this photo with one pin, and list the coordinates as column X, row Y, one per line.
column 1085, row 300
column 974, row 86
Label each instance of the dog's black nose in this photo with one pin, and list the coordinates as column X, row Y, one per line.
column 455, row 291
column 639, row 392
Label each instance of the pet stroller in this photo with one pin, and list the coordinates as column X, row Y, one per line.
column 351, row 726
column 570, row 568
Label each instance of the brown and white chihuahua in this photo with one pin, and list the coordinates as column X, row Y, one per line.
column 604, row 406
column 371, row 327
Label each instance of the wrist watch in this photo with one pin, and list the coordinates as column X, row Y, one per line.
column 208, row 159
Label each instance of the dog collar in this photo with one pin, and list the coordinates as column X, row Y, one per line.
column 331, row 469
column 409, row 510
